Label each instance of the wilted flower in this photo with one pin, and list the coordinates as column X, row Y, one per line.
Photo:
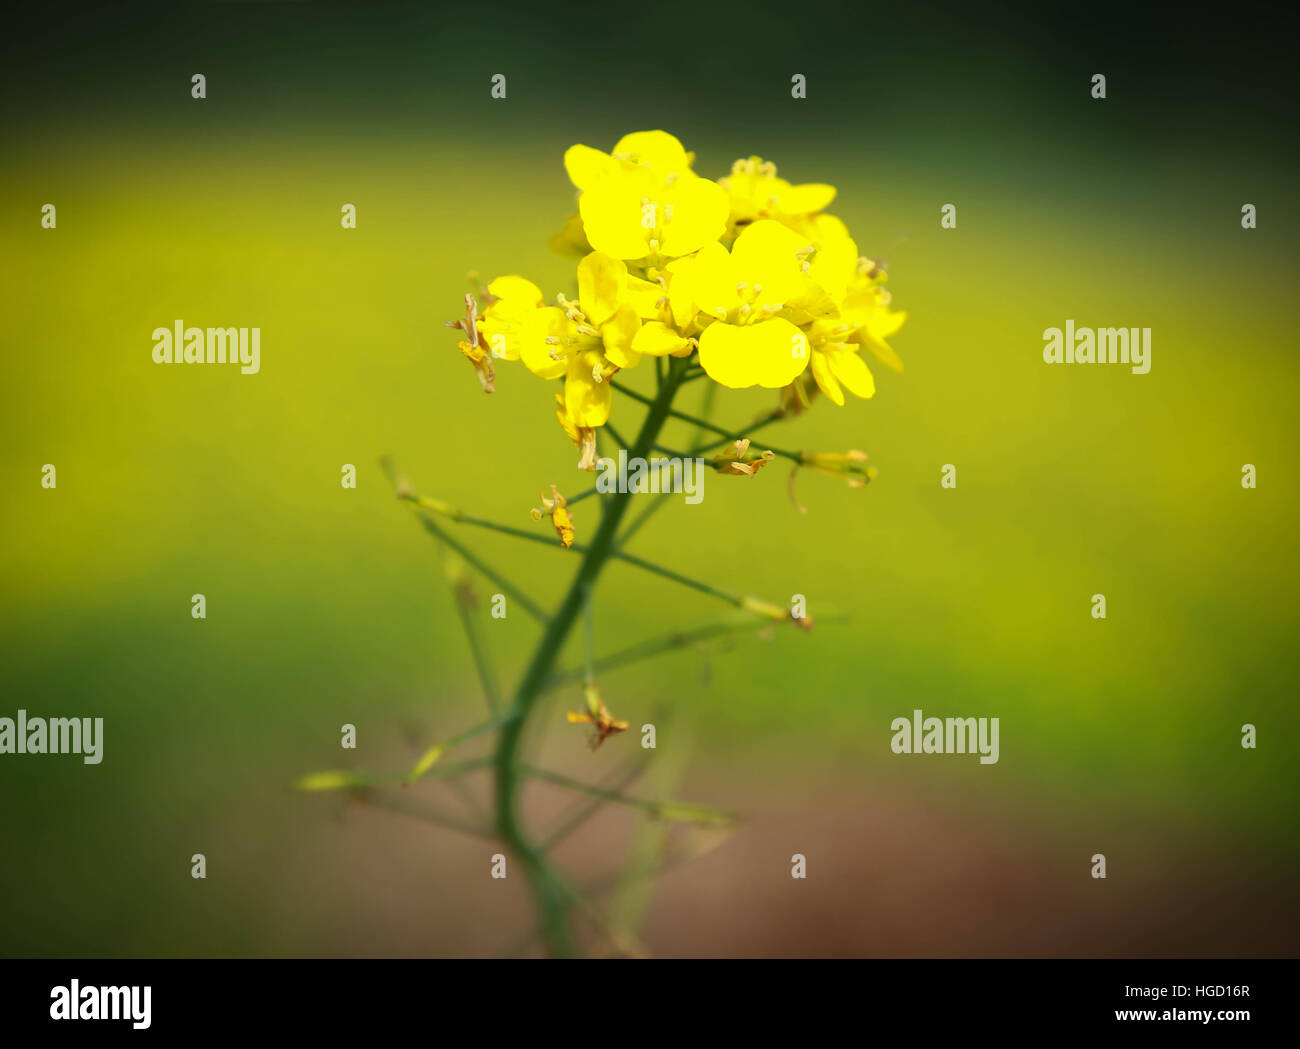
column 557, row 509
column 597, row 714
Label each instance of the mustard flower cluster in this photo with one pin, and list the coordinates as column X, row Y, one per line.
column 749, row 273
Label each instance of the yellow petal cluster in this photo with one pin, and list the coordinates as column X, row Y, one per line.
column 749, row 274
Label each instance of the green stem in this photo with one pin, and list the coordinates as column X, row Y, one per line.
column 619, row 498
column 667, row 643
column 584, row 811
column 669, row 811
column 509, row 589
column 486, row 676
column 704, row 424
column 553, row 899
column 708, row 446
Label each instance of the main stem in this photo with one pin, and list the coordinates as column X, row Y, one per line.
column 553, row 896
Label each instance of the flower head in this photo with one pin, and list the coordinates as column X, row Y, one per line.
column 757, row 193
column 750, row 277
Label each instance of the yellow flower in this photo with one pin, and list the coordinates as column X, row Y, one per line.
column 834, row 365
column 862, row 317
column 597, row 336
column 583, row 437
column 672, row 330
column 650, row 150
column 866, row 307
column 571, row 240
column 757, row 295
column 587, row 394
column 756, row 193
column 613, row 302
column 643, row 201
column 515, row 324
column 750, row 274
column 586, row 341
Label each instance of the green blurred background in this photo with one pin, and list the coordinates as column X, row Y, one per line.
column 328, row 606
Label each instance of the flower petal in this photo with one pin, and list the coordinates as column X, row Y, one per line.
column 586, row 166
column 644, row 296
column 771, row 353
column 585, row 400
column 698, row 215
column 850, row 369
column 659, row 340
column 515, row 289
column 536, row 351
column 619, row 336
column 600, row 286
column 612, row 215
column 805, row 199
column 821, row 370
column 657, row 149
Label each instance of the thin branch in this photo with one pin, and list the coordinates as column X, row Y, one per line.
column 704, row 424
column 431, row 757
column 653, row 507
column 589, row 642
column 509, row 589
column 620, row 555
column 425, row 813
column 586, row 809
column 669, row 642
column 706, row 411
column 463, row 594
column 669, row 811
column 774, row 416
column 620, row 440
column 335, row 780
column 669, row 860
